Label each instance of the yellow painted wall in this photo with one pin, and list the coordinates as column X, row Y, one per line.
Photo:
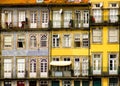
column 72, row 50
column 105, row 82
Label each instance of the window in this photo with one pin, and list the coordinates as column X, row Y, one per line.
column 43, row 83
column 45, row 19
column 7, row 68
column 97, row 36
column 7, row 83
column 85, row 40
column 113, row 35
column 8, row 18
column 55, row 40
column 86, row 18
column 113, row 81
column 85, row 66
column 44, row 40
column 21, row 41
column 77, row 66
column 67, row 68
column 78, row 15
column 67, row 83
column 77, row 40
column 33, row 19
column 67, row 18
column 114, row 12
column 96, row 63
column 97, row 14
column 7, row 41
column 67, row 41
column 43, row 65
column 55, row 59
column 32, row 65
column 22, row 17
column 33, row 41
column 21, row 67
column 113, row 63
column 56, row 19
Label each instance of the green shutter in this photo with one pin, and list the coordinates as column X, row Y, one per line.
column 85, row 83
column 97, row 82
column 55, row 83
column 76, row 83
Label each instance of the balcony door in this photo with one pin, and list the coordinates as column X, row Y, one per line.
column 43, row 67
column 21, row 17
column 77, row 66
column 45, row 18
column 33, row 20
column 86, row 18
column 113, row 64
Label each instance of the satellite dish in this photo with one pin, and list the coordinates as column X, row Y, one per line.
column 60, row 11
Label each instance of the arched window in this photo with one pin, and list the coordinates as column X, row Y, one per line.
column 32, row 65
column 43, row 40
column 33, row 41
column 43, row 64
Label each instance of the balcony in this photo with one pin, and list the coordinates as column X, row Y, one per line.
column 24, row 25
column 61, row 74
column 107, row 71
column 102, row 21
column 69, row 24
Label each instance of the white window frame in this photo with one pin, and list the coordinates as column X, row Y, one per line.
column 33, row 41
column 7, row 41
column 45, row 17
column 33, row 19
column 85, row 66
column 97, row 35
column 56, row 19
column 76, row 66
column 22, row 16
column 55, row 40
column 43, row 41
column 67, row 40
column 33, row 67
column 97, row 63
column 8, row 17
column 20, row 68
column 7, row 68
column 113, row 35
column 67, row 18
column 77, row 39
column 21, row 38
column 86, row 18
column 114, row 61
column 78, row 18
column 85, row 40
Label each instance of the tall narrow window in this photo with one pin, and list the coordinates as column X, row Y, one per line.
column 7, row 41
column 21, row 68
column 96, row 63
column 86, row 18
column 44, row 40
column 56, row 19
column 77, row 66
column 113, row 12
column 113, row 35
column 22, row 17
column 33, row 65
column 33, row 19
column 66, row 41
column 67, row 18
column 85, row 40
column 55, row 40
column 45, row 18
column 43, row 67
column 33, row 41
column 7, row 68
column 77, row 40
column 78, row 19
column 113, row 64
column 21, row 41
column 85, row 66
column 97, row 36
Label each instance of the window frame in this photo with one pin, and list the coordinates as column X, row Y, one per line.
column 85, row 40
column 33, row 40
column 56, row 40
column 44, row 40
column 67, row 40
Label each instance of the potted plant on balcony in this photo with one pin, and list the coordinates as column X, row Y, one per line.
column 92, row 19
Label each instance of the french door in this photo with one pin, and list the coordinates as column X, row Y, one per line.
column 33, row 20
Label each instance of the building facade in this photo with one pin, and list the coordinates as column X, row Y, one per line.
column 59, row 43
